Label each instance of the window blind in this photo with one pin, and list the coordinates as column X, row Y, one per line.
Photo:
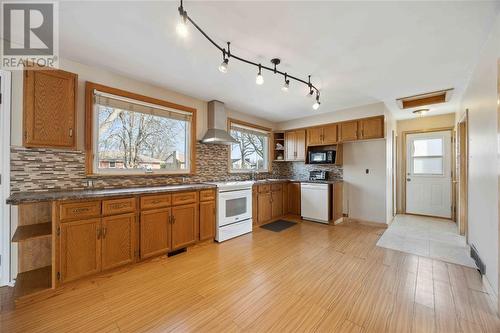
column 128, row 104
column 248, row 129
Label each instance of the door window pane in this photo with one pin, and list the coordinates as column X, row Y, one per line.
column 428, row 147
column 428, row 165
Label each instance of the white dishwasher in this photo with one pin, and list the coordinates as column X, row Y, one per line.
column 315, row 202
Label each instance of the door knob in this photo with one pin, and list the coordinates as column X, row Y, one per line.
column 408, row 179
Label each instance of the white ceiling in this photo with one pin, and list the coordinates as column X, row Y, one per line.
column 357, row 52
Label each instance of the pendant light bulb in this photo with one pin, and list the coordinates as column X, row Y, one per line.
column 182, row 29
column 259, row 79
column 286, row 86
column 316, row 105
column 223, row 66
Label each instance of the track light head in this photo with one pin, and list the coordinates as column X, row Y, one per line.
column 182, row 28
column 223, row 66
column 259, row 79
column 317, row 103
column 286, row 86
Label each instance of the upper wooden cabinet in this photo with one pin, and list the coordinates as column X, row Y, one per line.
column 49, row 108
column 371, row 128
column 295, row 145
column 321, row 136
column 348, row 130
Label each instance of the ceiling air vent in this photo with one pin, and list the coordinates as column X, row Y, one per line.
column 434, row 97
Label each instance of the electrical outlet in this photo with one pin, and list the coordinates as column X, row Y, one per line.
column 367, row 171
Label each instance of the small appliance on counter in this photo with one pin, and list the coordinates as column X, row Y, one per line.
column 318, row 175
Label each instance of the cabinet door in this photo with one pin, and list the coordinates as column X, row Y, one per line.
column 314, row 136
column 155, row 232
column 330, row 134
column 290, row 146
column 264, row 203
column 184, row 229
column 117, row 241
column 49, row 108
column 294, row 198
column 80, row 249
column 276, row 203
column 300, row 145
column 372, row 128
column 207, row 220
column 349, row 130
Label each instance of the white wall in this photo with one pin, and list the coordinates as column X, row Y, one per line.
column 481, row 98
column 365, row 193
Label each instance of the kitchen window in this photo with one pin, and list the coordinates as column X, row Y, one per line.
column 251, row 153
column 133, row 136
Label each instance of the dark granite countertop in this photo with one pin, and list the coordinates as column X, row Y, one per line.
column 30, row 197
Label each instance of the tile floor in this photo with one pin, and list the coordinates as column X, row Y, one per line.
column 429, row 237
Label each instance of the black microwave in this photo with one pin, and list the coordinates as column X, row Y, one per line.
column 322, row 156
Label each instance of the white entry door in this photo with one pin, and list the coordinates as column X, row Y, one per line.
column 428, row 174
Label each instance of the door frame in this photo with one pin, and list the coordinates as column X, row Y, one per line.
column 5, row 110
column 404, row 165
column 463, row 175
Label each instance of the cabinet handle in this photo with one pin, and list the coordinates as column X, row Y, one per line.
column 70, row 132
column 173, row 219
column 170, row 219
column 98, row 233
column 104, row 232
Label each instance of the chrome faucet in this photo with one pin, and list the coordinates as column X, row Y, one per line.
column 253, row 175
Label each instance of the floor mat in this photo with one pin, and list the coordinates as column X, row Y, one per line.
column 279, row 225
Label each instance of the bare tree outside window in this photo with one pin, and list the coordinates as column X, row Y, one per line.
column 250, row 153
column 139, row 141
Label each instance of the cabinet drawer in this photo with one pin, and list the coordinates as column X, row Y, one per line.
column 79, row 210
column 156, row 201
column 184, row 198
column 118, row 206
column 207, row 195
column 264, row 188
column 276, row 187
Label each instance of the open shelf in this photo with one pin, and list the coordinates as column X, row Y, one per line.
column 30, row 231
column 34, row 281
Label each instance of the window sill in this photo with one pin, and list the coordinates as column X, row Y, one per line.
column 139, row 175
column 248, row 171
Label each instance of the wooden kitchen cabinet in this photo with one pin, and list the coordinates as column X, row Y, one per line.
column 207, row 220
column 321, row 136
column 295, row 145
column 294, row 198
column 49, row 111
column 315, row 136
column 264, row 208
column 371, row 128
column 348, row 131
column 277, row 201
column 80, row 243
column 117, row 240
column 155, row 232
column 184, row 229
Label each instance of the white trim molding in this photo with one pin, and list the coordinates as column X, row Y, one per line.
column 5, row 111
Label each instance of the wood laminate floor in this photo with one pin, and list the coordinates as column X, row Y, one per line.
column 310, row 277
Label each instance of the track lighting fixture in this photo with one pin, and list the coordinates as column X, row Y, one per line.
column 182, row 30
column 259, row 79
column 286, row 85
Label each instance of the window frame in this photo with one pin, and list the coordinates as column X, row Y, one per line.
column 413, row 157
column 268, row 131
column 91, row 134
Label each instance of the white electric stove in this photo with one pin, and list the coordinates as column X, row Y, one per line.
column 234, row 209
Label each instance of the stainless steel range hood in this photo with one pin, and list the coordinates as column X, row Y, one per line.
column 217, row 125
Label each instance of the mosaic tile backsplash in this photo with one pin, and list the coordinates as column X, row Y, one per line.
column 40, row 169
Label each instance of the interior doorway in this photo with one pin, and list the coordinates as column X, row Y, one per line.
column 428, row 182
column 462, row 172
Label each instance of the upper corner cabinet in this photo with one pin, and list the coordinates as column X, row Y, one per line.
column 49, row 113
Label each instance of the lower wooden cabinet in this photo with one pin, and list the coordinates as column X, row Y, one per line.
column 92, row 245
column 117, row 240
column 207, row 220
column 155, row 232
column 184, row 225
column 80, row 248
column 264, row 208
column 277, row 203
column 294, row 198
